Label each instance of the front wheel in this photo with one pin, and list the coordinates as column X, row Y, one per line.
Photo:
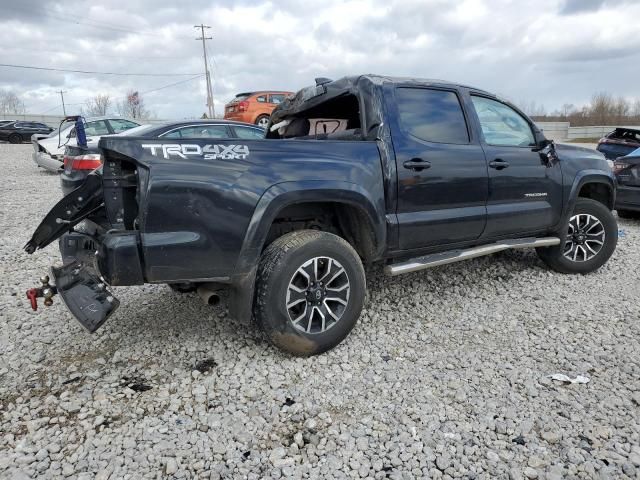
column 591, row 239
column 310, row 289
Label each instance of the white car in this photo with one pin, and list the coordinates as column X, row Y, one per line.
column 49, row 150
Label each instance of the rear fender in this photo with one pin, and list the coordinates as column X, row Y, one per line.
column 270, row 204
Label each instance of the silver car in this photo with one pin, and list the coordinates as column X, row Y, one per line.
column 48, row 150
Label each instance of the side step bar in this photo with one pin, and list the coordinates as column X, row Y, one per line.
column 436, row 259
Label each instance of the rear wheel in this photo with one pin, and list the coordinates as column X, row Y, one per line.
column 310, row 289
column 262, row 121
column 628, row 214
column 591, row 239
column 15, row 138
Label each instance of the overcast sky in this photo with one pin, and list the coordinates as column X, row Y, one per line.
column 549, row 51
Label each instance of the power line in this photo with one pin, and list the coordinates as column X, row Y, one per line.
column 84, row 54
column 172, row 84
column 141, row 93
column 93, row 23
column 97, row 73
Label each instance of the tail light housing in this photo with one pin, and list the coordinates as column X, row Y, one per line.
column 243, row 106
column 619, row 166
column 90, row 161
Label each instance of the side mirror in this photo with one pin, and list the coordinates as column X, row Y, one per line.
column 548, row 154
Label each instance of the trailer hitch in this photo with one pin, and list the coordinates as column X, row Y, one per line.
column 46, row 291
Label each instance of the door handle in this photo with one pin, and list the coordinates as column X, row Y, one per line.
column 498, row 164
column 416, row 164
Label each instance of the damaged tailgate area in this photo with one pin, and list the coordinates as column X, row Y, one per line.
column 98, row 240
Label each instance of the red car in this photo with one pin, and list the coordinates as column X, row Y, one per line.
column 254, row 107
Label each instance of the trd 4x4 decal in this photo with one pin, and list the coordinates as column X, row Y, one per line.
column 210, row 152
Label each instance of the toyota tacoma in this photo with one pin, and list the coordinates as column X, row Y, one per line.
column 367, row 169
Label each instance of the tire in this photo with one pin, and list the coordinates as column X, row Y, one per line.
column 15, row 138
column 262, row 121
column 630, row 214
column 585, row 260
column 280, row 285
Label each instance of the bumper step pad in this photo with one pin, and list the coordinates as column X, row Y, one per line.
column 84, row 294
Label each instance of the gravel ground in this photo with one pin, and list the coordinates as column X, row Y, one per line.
column 445, row 376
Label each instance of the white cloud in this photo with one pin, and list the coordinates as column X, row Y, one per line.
column 550, row 51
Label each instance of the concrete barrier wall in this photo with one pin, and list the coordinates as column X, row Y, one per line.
column 564, row 131
column 554, row 130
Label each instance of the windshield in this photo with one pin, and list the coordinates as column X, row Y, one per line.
column 63, row 133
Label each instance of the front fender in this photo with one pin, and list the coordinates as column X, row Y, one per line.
column 282, row 195
column 582, row 178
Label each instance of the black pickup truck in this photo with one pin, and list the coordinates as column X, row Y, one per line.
column 405, row 172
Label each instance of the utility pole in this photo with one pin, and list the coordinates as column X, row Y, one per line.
column 64, row 110
column 206, row 69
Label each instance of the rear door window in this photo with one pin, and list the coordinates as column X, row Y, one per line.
column 432, row 115
column 99, row 127
column 119, row 125
column 261, row 99
column 276, row 98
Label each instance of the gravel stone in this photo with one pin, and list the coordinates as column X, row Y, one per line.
column 445, row 376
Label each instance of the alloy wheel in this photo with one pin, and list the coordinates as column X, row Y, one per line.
column 317, row 295
column 585, row 238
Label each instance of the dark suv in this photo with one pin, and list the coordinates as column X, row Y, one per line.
column 18, row 131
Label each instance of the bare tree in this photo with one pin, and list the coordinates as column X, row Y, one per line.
column 532, row 108
column 601, row 109
column 98, row 105
column 567, row 110
column 133, row 106
column 10, row 104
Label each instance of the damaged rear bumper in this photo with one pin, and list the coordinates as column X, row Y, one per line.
column 91, row 263
column 84, row 294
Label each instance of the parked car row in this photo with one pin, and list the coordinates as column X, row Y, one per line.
column 15, row 131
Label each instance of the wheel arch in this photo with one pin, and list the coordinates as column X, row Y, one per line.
column 593, row 184
column 361, row 213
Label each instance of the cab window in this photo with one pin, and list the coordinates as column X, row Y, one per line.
column 502, row 125
column 432, row 115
